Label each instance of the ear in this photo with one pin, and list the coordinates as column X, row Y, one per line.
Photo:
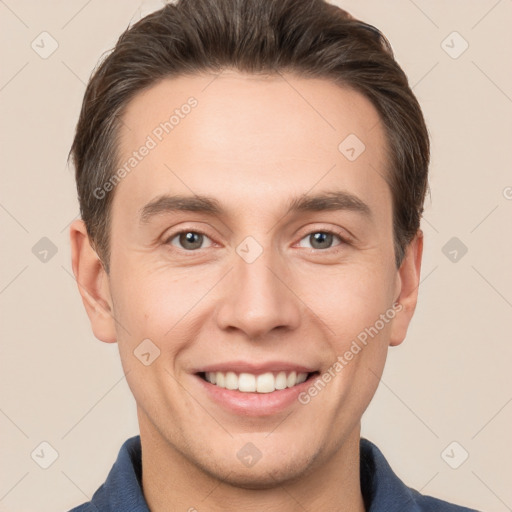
column 93, row 283
column 408, row 281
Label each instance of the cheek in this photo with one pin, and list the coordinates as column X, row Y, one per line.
column 152, row 312
column 157, row 303
column 351, row 299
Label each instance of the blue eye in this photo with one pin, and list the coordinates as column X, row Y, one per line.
column 322, row 239
column 188, row 240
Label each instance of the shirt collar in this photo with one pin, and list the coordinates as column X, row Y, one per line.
column 381, row 488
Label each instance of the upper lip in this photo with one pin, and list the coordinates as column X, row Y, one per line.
column 255, row 368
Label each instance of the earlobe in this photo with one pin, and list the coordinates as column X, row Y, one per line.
column 408, row 279
column 93, row 283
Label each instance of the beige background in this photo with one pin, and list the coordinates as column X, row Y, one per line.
column 449, row 381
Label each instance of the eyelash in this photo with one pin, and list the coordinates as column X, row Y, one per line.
column 334, row 249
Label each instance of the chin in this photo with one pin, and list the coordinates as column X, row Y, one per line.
column 264, row 474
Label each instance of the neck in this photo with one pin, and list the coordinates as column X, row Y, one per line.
column 172, row 482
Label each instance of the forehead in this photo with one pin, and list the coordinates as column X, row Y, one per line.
column 263, row 137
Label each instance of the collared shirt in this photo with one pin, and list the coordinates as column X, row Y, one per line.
column 382, row 490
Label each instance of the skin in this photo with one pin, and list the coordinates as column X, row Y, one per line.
column 253, row 143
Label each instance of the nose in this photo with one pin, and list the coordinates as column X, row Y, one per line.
column 259, row 298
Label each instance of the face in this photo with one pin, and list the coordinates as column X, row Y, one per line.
column 271, row 267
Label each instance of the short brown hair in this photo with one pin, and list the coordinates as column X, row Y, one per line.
column 310, row 38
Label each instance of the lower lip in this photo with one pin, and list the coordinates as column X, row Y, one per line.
column 254, row 404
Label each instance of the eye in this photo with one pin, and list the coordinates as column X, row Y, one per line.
column 323, row 239
column 187, row 240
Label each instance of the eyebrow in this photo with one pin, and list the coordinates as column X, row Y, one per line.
column 327, row 201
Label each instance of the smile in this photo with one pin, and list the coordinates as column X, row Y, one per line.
column 251, row 383
column 257, row 389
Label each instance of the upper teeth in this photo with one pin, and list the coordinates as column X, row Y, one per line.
column 249, row 383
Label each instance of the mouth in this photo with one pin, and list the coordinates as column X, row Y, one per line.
column 268, row 382
column 256, row 389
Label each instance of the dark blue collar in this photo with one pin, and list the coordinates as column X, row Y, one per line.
column 382, row 490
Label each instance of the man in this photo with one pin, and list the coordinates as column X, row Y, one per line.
column 251, row 177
